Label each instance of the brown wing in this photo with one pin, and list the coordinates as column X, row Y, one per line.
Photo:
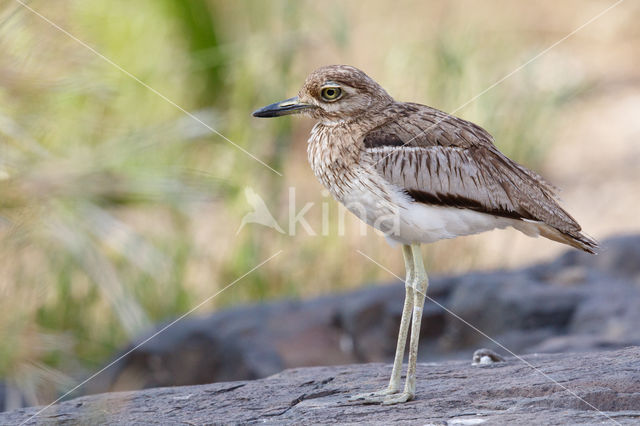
column 444, row 160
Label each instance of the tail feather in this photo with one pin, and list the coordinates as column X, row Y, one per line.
column 574, row 239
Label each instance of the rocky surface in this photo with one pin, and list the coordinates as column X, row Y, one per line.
column 578, row 302
column 585, row 388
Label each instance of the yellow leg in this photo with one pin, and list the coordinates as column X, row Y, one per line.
column 396, row 372
column 394, row 383
column 421, row 283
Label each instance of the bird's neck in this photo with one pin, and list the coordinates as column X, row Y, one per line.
column 334, row 153
column 338, row 144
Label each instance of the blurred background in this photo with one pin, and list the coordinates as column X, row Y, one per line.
column 118, row 210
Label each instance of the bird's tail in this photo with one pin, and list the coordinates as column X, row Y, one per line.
column 574, row 239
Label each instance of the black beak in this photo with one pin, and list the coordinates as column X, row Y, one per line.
column 286, row 107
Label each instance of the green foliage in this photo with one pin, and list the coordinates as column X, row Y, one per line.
column 196, row 21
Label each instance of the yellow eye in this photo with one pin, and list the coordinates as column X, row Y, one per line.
column 331, row 93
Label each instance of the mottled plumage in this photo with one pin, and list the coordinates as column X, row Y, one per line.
column 444, row 160
column 419, row 175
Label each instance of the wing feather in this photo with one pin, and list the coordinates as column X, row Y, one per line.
column 441, row 159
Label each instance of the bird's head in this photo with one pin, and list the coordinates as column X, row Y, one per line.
column 332, row 94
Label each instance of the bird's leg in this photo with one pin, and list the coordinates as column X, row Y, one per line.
column 421, row 282
column 394, row 382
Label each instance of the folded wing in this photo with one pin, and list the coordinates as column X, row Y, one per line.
column 442, row 160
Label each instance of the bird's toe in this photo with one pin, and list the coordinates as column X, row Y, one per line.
column 373, row 397
column 398, row 398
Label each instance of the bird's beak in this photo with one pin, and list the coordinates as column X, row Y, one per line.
column 286, row 107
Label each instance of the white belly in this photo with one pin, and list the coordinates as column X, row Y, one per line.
column 422, row 223
column 407, row 222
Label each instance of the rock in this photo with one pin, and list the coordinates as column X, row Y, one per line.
column 577, row 302
column 618, row 257
column 11, row 397
column 591, row 388
column 506, row 301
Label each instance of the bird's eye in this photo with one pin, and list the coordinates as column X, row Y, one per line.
column 331, row 93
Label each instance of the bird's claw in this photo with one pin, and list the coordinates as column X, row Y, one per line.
column 398, row 398
column 385, row 397
column 373, row 397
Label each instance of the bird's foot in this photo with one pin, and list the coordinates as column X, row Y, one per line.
column 398, row 398
column 373, row 397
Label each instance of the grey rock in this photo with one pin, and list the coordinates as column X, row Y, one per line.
column 577, row 302
column 503, row 302
column 585, row 388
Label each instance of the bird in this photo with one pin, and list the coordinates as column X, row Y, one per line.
column 419, row 175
